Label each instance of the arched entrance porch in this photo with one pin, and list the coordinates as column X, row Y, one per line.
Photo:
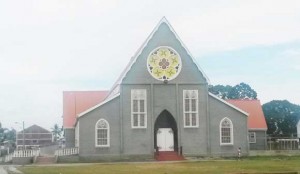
column 165, row 132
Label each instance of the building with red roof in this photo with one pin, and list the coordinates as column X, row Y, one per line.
column 257, row 125
column 74, row 103
column 160, row 104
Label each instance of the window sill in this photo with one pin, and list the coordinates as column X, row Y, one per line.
column 226, row 144
column 138, row 127
column 102, row 146
column 190, row 126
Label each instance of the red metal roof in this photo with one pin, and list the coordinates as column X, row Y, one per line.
column 75, row 102
column 256, row 118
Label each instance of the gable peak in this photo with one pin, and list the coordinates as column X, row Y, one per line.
column 115, row 89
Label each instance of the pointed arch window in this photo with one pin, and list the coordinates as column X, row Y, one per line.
column 190, row 108
column 102, row 133
column 138, row 108
column 226, row 132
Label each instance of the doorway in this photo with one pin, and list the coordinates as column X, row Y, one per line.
column 165, row 139
column 165, row 132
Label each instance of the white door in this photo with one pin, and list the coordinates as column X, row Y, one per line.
column 165, row 139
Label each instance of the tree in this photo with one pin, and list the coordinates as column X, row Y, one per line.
column 220, row 90
column 1, row 133
column 11, row 134
column 56, row 130
column 7, row 134
column 239, row 91
column 282, row 117
column 242, row 91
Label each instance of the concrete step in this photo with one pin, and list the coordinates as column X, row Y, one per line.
column 168, row 156
column 45, row 160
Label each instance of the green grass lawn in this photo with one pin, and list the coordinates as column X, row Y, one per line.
column 249, row 165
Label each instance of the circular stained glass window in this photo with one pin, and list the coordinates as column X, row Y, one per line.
column 164, row 63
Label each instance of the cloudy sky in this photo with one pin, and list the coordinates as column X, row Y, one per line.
column 51, row 46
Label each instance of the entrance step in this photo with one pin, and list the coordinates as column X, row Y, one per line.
column 45, row 160
column 168, row 156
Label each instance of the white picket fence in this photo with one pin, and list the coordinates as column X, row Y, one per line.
column 26, row 153
column 6, row 158
column 67, row 151
column 20, row 154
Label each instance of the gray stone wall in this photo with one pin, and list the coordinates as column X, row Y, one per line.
column 194, row 140
column 70, row 137
column 217, row 111
column 165, row 97
column 261, row 140
column 138, row 140
column 87, row 145
column 22, row 160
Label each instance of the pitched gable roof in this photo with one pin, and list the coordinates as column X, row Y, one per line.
column 115, row 90
column 76, row 102
column 228, row 104
column 116, row 87
column 256, row 119
column 35, row 129
column 98, row 105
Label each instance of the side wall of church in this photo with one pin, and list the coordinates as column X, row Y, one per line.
column 218, row 110
column 87, row 145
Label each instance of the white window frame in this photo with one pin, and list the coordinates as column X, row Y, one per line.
column 108, row 134
column 139, row 98
column 231, row 132
column 190, row 112
column 254, row 137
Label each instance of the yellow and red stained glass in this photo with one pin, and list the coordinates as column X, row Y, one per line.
column 164, row 63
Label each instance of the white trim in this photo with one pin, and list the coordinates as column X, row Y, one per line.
column 144, row 91
column 231, row 132
column 139, row 51
column 223, row 101
column 98, row 105
column 77, row 134
column 258, row 129
column 108, row 134
column 254, row 135
column 190, row 110
column 69, row 127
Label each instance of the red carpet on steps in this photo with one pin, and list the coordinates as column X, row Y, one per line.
column 168, row 156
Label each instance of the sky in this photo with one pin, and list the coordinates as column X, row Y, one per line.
column 51, row 46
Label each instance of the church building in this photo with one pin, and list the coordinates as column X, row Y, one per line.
column 160, row 103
